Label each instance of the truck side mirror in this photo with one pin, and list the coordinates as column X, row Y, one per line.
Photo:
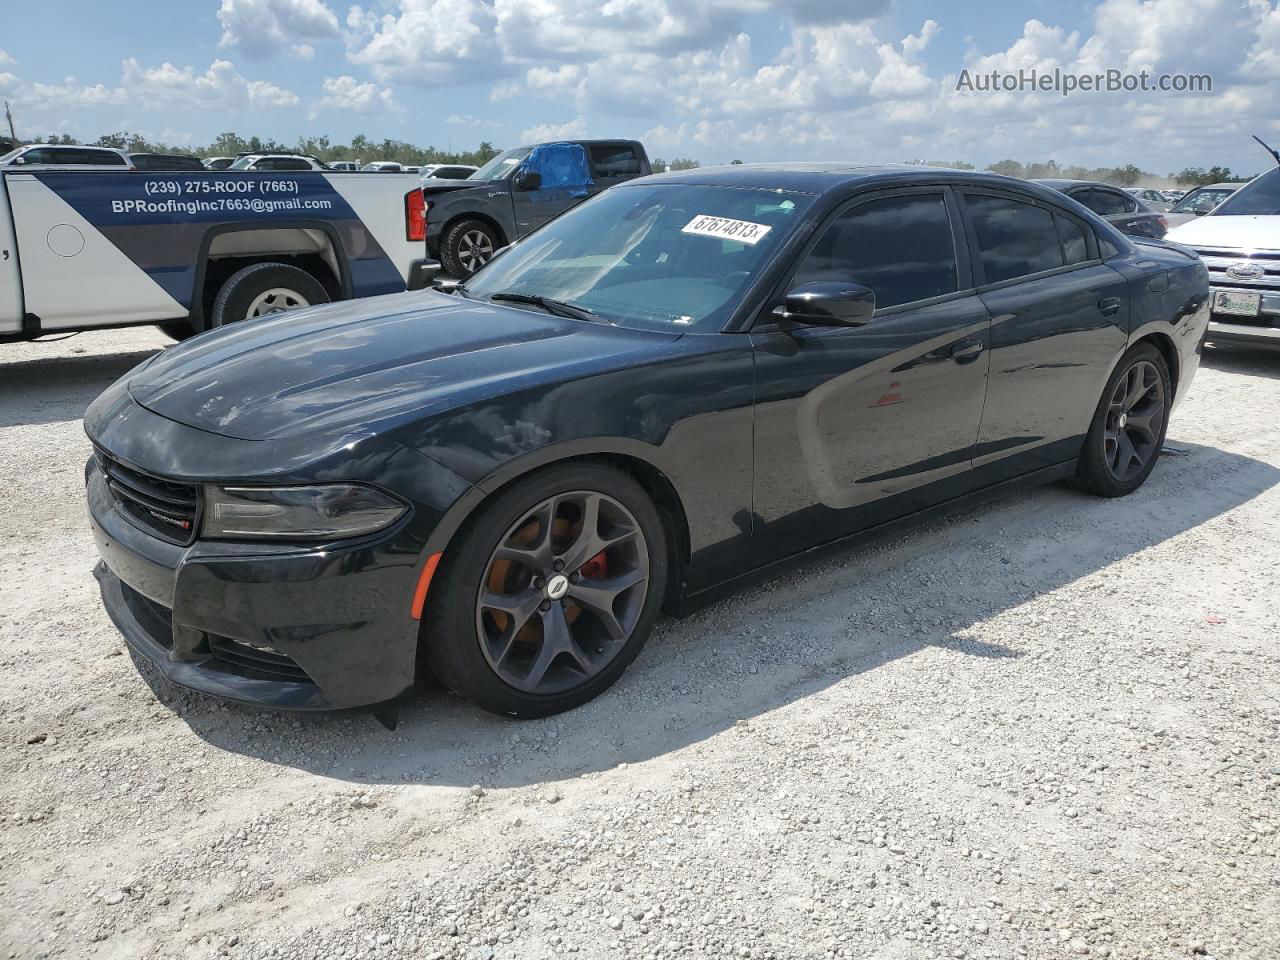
column 528, row 180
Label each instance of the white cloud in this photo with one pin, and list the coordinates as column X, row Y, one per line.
column 429, row 41
column 6, row 60
column 263, row 28
column 467, row 120
column 166, row 87
column 577, row 127
column 219, row 87
column 8, row 82
column 346, row 93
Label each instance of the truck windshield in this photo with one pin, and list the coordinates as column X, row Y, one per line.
column 1258, row 197
column 502, row 164
column 667, row 257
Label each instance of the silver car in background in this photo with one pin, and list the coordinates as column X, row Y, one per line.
column 1200, row 201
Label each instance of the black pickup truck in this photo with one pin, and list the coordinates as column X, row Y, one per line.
column 518, row 191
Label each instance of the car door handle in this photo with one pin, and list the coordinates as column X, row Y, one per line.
column 1109, row 306
column 967, row 351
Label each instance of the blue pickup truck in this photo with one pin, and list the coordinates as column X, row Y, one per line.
column 192, row 250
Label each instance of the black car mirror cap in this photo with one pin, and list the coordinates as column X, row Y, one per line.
column 826, row 303
column 528, row 180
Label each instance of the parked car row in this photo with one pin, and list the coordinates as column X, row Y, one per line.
column 70, row 155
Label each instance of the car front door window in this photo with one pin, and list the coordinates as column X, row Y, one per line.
column 900, row 247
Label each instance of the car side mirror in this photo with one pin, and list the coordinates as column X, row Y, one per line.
column 20, row 160
column 528, row 180
column 827, row 303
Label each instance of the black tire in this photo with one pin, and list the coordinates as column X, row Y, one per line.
column 1107, row 467
column 177, row 329
column 240, row 295
column 455, row 626
column 467, row 246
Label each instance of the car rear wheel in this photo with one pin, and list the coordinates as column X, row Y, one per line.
column 262, row 289
column 468, row 246
column 546, row 598
column 1128, row 429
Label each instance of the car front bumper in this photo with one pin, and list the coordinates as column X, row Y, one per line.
column 1263, row 330
column 272, row 625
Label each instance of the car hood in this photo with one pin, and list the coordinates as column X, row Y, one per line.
column 1251, row 233
column 357, row 364
column 432, row 185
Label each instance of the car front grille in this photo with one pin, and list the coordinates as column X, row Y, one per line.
column 162, row 507
column 251, row 659
column 1218, row 261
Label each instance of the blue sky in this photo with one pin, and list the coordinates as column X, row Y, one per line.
column 710, row 79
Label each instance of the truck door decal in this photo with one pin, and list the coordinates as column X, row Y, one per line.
column 127, row 208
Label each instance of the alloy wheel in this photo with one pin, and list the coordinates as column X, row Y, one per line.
column 275, row 300
column 1135, row 421
column 475, row 249
column 562, row 592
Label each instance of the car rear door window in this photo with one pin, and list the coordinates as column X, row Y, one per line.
column 1075, row 246
column 1015, row 239
column 1109, row 203
column 614, row 160
column 900, row 247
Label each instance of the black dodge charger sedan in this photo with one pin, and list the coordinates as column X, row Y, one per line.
column 666, row 392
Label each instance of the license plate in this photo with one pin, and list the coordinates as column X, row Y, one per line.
column 1237, row 304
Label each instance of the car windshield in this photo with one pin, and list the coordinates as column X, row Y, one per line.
column 11, row 154
column 657, row 257
column 242, row 163
column 502, row 164
column 1258, row 197
column 1201, row 201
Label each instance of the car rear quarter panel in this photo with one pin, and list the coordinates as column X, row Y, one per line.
column 1171, row 305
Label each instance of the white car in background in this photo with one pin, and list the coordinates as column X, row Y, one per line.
column 1199, row 202
column 383, row 166
column 63, row 156
column 448, row 171
column 1239, row 241
column 1154, row 199
column 276, row 161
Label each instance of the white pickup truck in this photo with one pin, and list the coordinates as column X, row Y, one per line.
column 85, row 249
column 1240, row 244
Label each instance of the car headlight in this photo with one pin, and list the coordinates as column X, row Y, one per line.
column 324, row 511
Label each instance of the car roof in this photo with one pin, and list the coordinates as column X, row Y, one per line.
column 70, row 146
column 819, row 178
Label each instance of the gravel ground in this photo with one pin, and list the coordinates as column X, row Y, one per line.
column 1045, row 728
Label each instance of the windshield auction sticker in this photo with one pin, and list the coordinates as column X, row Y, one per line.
column 723, row 228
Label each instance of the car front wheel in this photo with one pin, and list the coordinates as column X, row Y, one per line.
column 544, row 600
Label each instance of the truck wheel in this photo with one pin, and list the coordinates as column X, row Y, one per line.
column 264, row 288
column 468, row 245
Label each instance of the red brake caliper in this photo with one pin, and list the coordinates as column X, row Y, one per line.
column 597, row 568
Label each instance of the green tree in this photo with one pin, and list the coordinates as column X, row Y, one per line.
column 1006, row 168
